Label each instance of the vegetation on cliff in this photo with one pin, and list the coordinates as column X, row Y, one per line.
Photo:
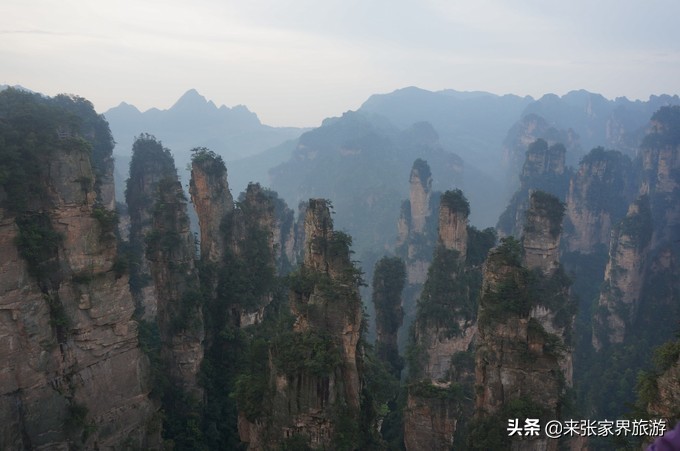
column 544, row 170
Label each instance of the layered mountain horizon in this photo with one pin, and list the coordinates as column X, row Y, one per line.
column 502, row 267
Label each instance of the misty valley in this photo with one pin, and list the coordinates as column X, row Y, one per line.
column 431, row 271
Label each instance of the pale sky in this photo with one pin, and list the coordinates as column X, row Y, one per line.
column 296, row 62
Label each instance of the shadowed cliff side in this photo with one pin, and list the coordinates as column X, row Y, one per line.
column 315, row 358
column 523, row 361
column 73, row 374
column 441, row 370
column 544, row 169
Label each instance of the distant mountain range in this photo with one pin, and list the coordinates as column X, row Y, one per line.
column 487, row 133
column 193, row 121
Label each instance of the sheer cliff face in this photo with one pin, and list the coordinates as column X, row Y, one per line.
column 213, row 203
column 542, row 230
column 421, row 187
column 327, row 253
column 171, row 254
column 315, row 368
column 620, row 297
column 262, row 209
column 164, row 278
column 640, row 273
column 528, row 130
column 417, row 237
column 453, row 225
column 444, row 330
column 73, row 374
column 666, row 396
column 598, row 196
column 525, row 317
column 152, row 163
column 413, row 223
column 544, row 169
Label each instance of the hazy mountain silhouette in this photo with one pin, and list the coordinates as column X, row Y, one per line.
column 362, row 162
column 472, row 124
column 599, row 121
column 193, row 121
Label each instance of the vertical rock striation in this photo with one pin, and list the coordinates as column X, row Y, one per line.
column 599, row 193
column 171, row 254
column 542, row 230
column 640, row 271
column 544, row 169
column 315, row 367
column 151, row 164
column 440, row 357
column 620, row 296
column 73, row 374
column 417, row 237
column 414, row 240
column 523, row 358
column 212, row 200
column 531, row 128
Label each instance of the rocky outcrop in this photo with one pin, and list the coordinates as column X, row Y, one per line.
column 666, row 397
column 444, row 330
column 531, row 128
column 620, row 296
column 430, row 421
column 212, row 200
column 541, row 238
column 151, row 163
column 262, row 209
column 315, row 368
column 544, row 169
column 171, row 253
column 523, row 355
column 599, row 193
column 453, row 229
column 639, row 265
column 72, row 374
column 419, row 195
column 414, row 241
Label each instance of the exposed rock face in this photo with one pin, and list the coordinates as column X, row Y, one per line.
column 666, row 402
column 150, row 164
column 171, row 254
column 453, row 224
column 72, row 374
column 598, row 196
column 541, row 239
column 528, row 130
column 638, row 268
column 262, row 209
column 421, row 187
column 523, row 355
column 413, row 233
column 416, row 214
column 544, row 169
column 620, row 297
column 315, row 374
column 416, row 238
column 444, row 331
column 430, row 423
column 261, row 232
column 213, row 202
column 327, row 252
